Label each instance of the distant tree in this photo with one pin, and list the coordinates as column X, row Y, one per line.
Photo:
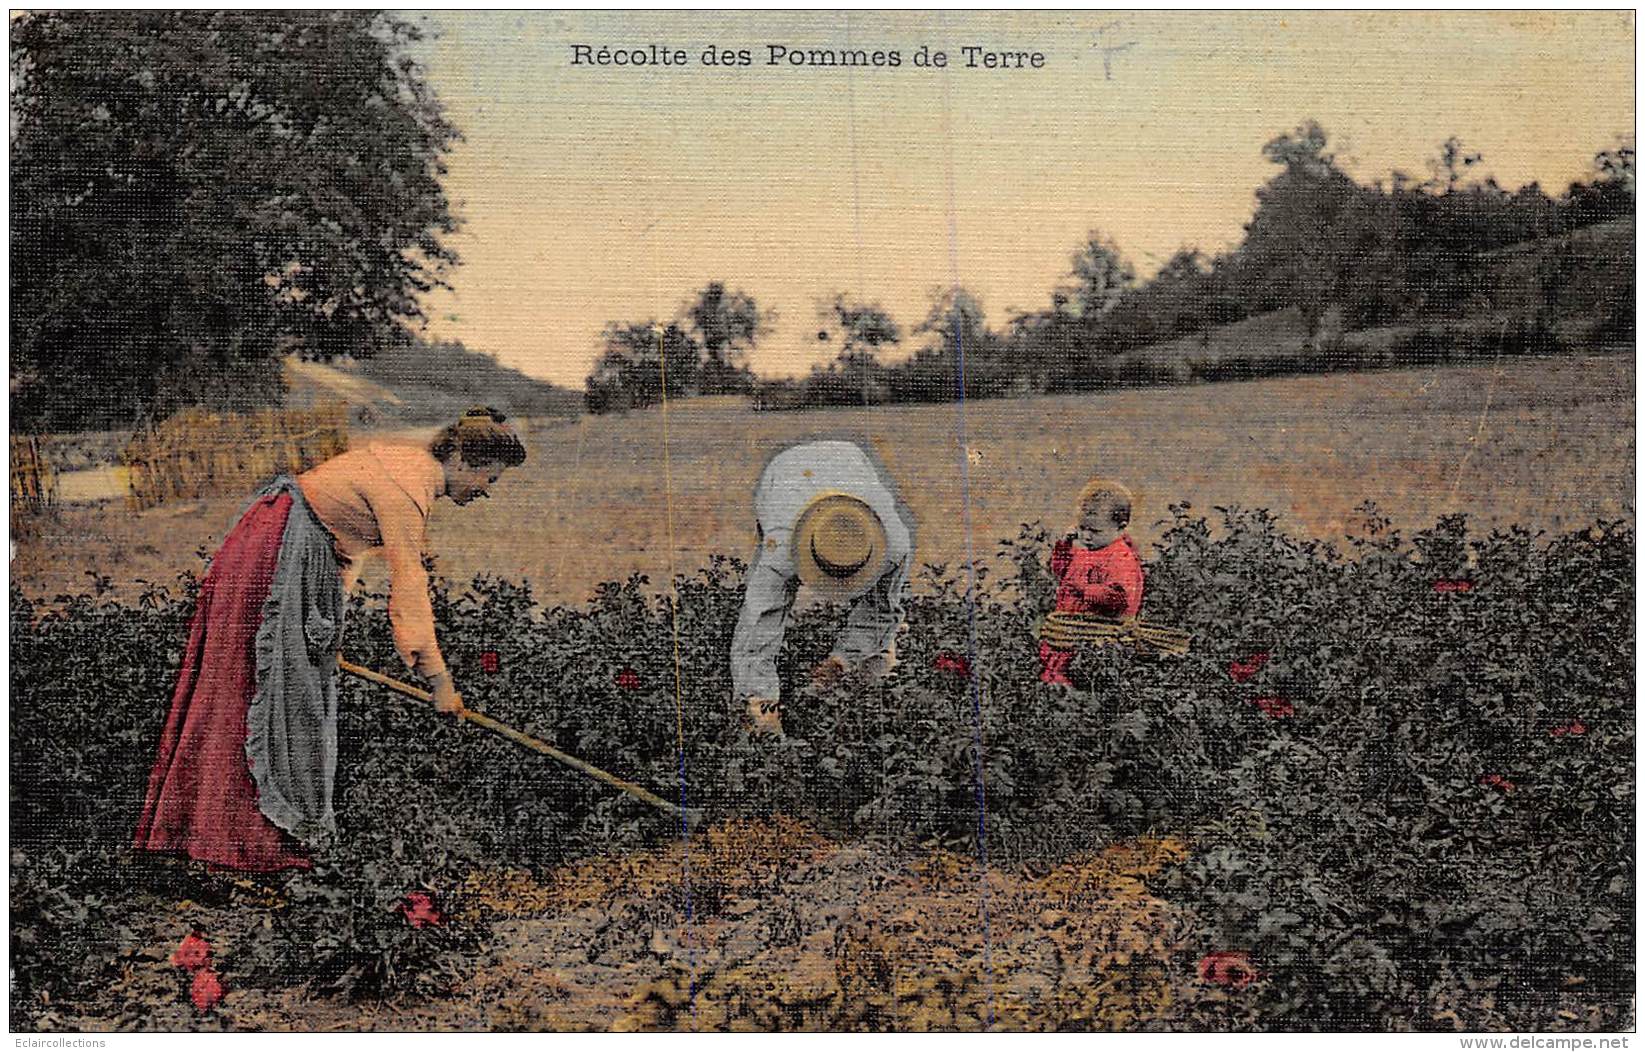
column 1048, row 346
column 726, row 325
column 1174, row 302
column 1374, row 281
column 1294, row 251
column 955, row 318
column 1537, row 212
column 1304, row 150
column 194, row 193
column 958, row 344
column 1616, row 165
column 1099, row 275
column 1185, row 265
column 1609, row 194
column 864, row 328
column 1450, row 166
column 637, row 358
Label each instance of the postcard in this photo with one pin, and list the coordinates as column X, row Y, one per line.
column 871, row 521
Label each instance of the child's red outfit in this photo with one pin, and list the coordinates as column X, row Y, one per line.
column 1102, row 581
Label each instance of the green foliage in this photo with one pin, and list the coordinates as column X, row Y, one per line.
column 195, row 193
column 726, row 324
column 1099, row 276
column 1342, row 254
column 1401, row 250
column 961, row 353
column 703, row 351
column 1419, row 826
column 642, row 363
column 343, row 928
column 864, row 328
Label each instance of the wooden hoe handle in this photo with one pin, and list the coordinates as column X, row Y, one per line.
column 524, row 740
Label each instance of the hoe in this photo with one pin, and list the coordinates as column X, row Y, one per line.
column 690, row 815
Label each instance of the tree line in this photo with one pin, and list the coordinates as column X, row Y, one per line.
column 1343, row 254
column 197, row 194
column 702, row 351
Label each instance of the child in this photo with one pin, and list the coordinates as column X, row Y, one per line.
column 1096, row 567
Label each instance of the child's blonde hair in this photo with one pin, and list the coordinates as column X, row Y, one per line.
column 1100, row 493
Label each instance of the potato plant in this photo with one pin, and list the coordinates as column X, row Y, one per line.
column 1403, row 765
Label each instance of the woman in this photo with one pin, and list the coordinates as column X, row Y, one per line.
column 244, row 774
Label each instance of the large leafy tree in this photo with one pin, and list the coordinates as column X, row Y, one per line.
column 1301, row 237
column 195, row 193
column 958, row 347
column 726, row 324
column 864, row 329
column 637, row 360
column 1099, row 275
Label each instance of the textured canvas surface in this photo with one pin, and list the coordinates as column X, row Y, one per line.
column 872, row 521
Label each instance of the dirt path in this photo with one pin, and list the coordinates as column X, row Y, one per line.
column 782, row 930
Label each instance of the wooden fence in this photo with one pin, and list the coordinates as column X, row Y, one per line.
column 33, row 479
column 196, row 453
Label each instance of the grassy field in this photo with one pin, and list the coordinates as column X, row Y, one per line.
column 1545, row 443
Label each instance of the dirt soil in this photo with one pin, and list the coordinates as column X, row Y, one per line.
column 782, row 930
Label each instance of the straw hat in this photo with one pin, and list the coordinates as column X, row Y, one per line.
column 839, row 545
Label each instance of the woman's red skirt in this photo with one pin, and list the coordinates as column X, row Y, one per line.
column 201, row 799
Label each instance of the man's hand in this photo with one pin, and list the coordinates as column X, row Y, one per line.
column 765, row 717
column 828, row 673
column 446, row 699
column 880, row 665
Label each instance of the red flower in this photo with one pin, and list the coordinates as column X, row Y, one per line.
column 206, row 990
column 1275, row 708
column 628, row 679
column 1228, row 968
column 419, row 910
column 947, row 661
column 1240, row 671
column 1496, row 781
column 192, row 952
column 490, row 663
column 1576, row 728
column 1453, row 585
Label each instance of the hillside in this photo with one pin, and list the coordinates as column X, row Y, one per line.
column 425, row 383
column 1585, row 279
column 1594, row 268
column 1571, row 294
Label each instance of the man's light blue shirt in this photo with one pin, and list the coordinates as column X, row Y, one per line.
column 791, row 481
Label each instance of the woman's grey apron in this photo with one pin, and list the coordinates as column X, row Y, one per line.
column 291, row 727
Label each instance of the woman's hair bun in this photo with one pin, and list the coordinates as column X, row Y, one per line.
column 481, row 436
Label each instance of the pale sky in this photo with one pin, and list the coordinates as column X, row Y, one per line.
column 595, row 194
